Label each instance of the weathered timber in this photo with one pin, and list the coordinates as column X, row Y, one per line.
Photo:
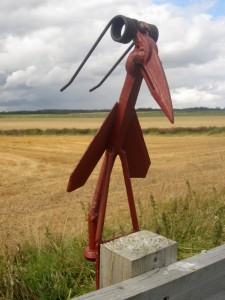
column 198, row 277
column 134, row 254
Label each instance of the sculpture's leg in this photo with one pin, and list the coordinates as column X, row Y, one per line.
column 126, row 174
column 90, row 251
column 96, row 215
column 111, row 156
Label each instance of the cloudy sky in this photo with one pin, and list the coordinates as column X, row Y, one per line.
column 42, row 42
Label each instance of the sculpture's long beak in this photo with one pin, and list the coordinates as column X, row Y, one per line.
column 155, row 78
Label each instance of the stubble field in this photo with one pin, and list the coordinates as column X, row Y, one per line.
column 84, row 121
column 35, row 171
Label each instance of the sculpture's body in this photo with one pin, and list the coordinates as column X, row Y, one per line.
column 121, row 135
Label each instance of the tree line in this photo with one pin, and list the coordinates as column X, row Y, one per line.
column 71, row 111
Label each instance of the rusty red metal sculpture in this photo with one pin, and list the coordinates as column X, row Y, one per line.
column 121, row 134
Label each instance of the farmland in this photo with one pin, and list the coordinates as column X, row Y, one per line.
column 94, row 120
column 43, row 229
column 35, row 170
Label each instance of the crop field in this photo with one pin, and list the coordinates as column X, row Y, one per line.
column 35, row 171
column 84, row 121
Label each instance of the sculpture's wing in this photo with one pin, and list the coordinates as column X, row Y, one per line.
column 135, row 148
column 93, row 153
column 155, row 78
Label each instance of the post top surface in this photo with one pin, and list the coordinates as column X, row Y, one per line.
column 138, row 244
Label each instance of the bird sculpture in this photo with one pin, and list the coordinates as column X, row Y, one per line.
column 121, row 134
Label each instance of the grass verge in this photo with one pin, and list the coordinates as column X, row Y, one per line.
column 195, row 222
column 57, row 269
column 92, row 131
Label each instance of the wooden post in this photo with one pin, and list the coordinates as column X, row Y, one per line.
column 134, row 254
column 198, row 277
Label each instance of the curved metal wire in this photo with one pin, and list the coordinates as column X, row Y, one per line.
column 87, row 56
column 112, row 69
column 130, row 26
column 126, row 37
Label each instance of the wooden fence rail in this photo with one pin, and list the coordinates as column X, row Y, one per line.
column 198, row 277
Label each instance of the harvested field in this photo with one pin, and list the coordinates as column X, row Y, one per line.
column 35, row 171
column 27, row 122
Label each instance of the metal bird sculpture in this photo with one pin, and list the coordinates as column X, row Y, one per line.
column 121, row 134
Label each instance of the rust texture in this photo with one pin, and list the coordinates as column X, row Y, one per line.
column 121, row 135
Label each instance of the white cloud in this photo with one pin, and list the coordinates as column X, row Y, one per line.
column 43, row 42
column 22, row 78
column 189, row 97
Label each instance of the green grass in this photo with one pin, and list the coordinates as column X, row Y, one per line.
column 142, row 112
column 57, row 269
column 89, row 131
column 195, row 222
column 185, row 130
column 50, row 131
column 52, row 116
